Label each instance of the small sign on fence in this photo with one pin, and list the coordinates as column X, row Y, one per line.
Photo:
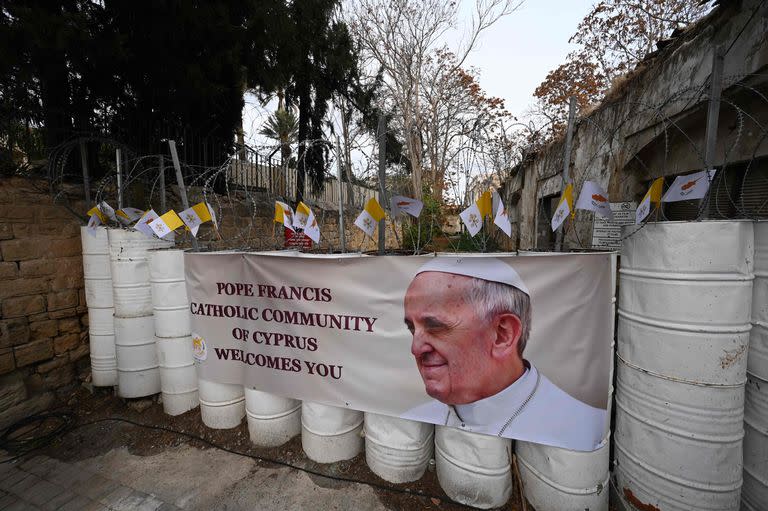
column 607, row 234
column 297, row 240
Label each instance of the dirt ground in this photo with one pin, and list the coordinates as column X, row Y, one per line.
column 95, row 438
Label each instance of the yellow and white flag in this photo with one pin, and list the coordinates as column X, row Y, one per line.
column 472, row 218
column 400, row 204
column 284, row 215
column 93, row 222
column 143, row 224
column 127, row 216
column 195, row 216
column 594, row 198
column 564, row 208
column 370, row 216
column 96, row 211
column 652, row 196
column 502, row 219
column 485, row 204
column 166, row 223
column 312, row 229
column 107, row 210
column 301, row 216
column 690, row 187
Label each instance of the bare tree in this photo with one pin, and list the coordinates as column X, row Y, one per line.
column 402, row 39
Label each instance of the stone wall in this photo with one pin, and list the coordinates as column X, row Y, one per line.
column 43, row 315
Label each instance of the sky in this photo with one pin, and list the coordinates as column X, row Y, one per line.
column 513, row 56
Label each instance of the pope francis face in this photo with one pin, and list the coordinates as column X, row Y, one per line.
column 459, row 353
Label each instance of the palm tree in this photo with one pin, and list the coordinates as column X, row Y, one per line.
column 283, row 127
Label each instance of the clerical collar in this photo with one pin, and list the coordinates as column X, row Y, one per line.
column 486, row 412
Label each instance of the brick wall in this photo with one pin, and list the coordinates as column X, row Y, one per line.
column 43, row 315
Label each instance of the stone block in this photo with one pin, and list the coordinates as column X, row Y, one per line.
column 34, row 404
column 24, row 249
column 14, row 332
column 34, row 318
column 8, row 270
column 13, row 213
column 43, row 329
column 58, row 300
column 55, row 363
column 63, row 313
column 67, row 281
column 23, row 306
column 6, row 232
column 38, row 267
column 63, row 248
column 7, row 362
column 81, row 351
column 66, row 342
column 70, row 325
column 24, row 287
column 33, row 352
column 12, row 390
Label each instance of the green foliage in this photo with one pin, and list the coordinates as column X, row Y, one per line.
column 482, row 242
column 422, row 233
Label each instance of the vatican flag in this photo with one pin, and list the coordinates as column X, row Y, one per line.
column 301, row 216
column 652, row 196
column 564, row 208
column 143, row 224
column 370, row 216
column 399, row 204
column 284, row 214
column 127, row 216
column 311, row 228
column 692, row 186
column 593, row 198
column 93, row 222
column 472, row 218
column 96, row 211
column 502, row 219
column 195, row 216
column 485, row 204
column 166, row 224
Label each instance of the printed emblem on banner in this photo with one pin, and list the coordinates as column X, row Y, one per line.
column 199, row 350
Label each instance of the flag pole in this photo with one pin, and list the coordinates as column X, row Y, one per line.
column 566, row 164
column 342, row 240
column 180, row 181
column 382, row 136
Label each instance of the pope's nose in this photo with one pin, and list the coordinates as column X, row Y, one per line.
column 420, row 345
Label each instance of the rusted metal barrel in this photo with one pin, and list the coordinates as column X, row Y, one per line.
column 684, row 318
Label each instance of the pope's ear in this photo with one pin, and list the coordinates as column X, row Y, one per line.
column 508, row 330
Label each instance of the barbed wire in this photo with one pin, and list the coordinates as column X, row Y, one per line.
column 243, row 204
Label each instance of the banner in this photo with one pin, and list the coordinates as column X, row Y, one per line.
column 510, row 346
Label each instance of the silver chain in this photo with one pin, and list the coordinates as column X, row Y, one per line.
column 522, row 406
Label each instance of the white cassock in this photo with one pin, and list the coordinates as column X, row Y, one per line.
column 532, row 409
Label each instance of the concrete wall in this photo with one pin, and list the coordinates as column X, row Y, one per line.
column 43, row 316
column 653, row 124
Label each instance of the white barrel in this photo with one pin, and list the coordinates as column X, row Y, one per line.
column 178, row 376
column 97, row 279
column 561, row 479
column 138, row 373
column 397, row 450
column 684, row 302
column 272, row 420
column 101, row 334
column 473, row 469
column 128, row 253
column 754, row 493
column 169, row 293
column 330, row 433
column 222, row 405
